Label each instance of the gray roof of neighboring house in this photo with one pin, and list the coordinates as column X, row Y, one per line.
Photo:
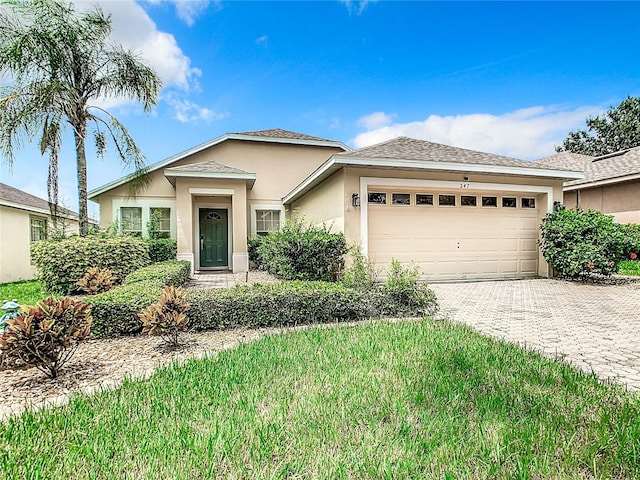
column 209, row 166
column 14, row 197
column 568, row 160
column 280, row 133
column 404, row 148
column 612, row 166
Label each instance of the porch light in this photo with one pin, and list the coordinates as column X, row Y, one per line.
column 355, row 199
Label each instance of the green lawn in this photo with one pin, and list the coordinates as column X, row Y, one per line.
column 629, row 267
column 27, row 293
column 386, row 400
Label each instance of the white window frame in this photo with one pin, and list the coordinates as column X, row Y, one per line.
column 146, row 205
column 33, row 218
column 170, row 222
column 254, row 216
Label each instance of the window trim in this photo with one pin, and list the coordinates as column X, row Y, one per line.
column 400, row 204
column 433, row 200
column 482, row 197
column 45, row 225
column 502, row 202
column 455, row 200
column 386, row 195
column 131, row 231
column 146, row 205
column 522, row 200
column 470, row 196
column 254, row 216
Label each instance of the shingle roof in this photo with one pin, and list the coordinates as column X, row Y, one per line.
column 614, row 165
column 18, row 197
column 280, row 133
column 566, row 160
column 208, row 167
column 404, row 148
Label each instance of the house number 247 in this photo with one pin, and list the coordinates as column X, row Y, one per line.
column 465, row 185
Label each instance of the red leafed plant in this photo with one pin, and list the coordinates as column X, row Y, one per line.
column 97, row 280
column 48, row 335
column 167, row 317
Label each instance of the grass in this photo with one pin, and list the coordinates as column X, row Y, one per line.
column 386, row 400
column 629, row 267
column 26, row 292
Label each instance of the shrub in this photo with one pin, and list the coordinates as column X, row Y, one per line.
column 303, row 252
column 631, row 241
column 62, row 263
column 162, row 249
column 580, row 243
column 48, row 335
column 116, row 311
column 252, row 250
column 171, row 272
column 97, row 280
column 167, row 317
column 406, row 294
column 361, row 274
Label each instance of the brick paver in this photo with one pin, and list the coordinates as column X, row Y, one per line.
column 595, row 327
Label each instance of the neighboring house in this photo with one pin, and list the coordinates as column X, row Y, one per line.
column 611, row 183
column 456, row 213
column 24, row 219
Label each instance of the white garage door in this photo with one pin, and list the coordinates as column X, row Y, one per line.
column 450, row 235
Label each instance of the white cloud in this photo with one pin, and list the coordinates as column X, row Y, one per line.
column 189, row 10
column 186, row 111
column 356, row 6
column 527, row 133
column 262, row 40
column 376, row 120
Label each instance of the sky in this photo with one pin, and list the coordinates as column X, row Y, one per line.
column 511, row 78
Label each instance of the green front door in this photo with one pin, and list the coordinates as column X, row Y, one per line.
column 214, row 240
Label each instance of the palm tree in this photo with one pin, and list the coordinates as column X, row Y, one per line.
column 60, row 63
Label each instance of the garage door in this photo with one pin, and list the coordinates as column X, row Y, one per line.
column 450, row 235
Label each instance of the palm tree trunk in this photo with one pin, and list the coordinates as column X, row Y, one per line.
column 81, row 158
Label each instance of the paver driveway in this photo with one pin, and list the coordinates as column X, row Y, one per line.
column 595, row 327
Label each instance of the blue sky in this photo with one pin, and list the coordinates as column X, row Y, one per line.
column 511, row 78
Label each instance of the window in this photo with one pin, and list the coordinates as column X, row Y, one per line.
column 401, row 199
column 267, row 221
column 509, row 202
column 528, row 202
column 38, row 229
column 379, row 198
column 490, row 202
column 424, row 199
column 468, row 201
column 131, row 220
column 447, row 200
column 161, row 222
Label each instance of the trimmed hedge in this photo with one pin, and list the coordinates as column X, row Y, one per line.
column 62, row 263
column 116, row 312
column 162, row 249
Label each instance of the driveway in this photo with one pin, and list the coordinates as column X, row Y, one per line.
column 595, row 327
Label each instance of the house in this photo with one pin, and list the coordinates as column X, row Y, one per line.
column 24, row 219
column 611, row 182
column 457, row 213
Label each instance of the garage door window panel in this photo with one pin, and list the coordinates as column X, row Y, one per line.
column 377, row 198
column 445, row 200
column 528, row 202
column 424, row 199
column 509, row 202
column 468, row 201
column 489, row 202
column 401, row 199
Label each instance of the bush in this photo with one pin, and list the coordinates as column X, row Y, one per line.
column 97, row 280
column 171, row 272
column 252, row 250
column 62, row 263
column 162, row 249
column 406, row 293
column 167, row 317
column 580, row 243
column 116, row 311
column 361, row 274
column 303, row 252
column 48, row 335
column 631, row 241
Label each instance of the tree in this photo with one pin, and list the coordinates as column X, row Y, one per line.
column 61, row 62
column 617, row 129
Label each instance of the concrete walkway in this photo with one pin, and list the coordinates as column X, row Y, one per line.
column 595, row 327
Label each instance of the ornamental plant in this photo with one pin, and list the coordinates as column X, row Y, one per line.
column 48, row 335
column 167, row 317
column 97, row 280
column 581, row 243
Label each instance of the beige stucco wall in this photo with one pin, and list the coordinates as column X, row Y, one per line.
column 325, row 204
column 622, row 200
column 15, row 243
